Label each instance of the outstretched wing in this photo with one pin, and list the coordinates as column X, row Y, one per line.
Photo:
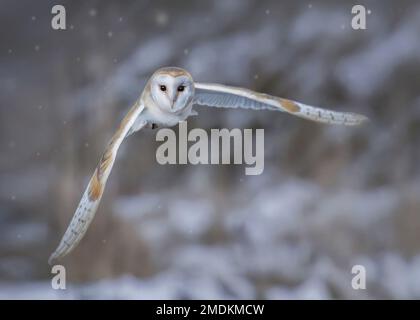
column 216, row 95
column 92, row 196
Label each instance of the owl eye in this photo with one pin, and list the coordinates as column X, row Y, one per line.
column 181, row 88
column 163, row 88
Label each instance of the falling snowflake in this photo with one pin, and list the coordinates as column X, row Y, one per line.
column 186, row 51
column 161, row 19
column 33, row 18
column 92, row 12
column 267, row 12
column 110, row 34
column 37, row 47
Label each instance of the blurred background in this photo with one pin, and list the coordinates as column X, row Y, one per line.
column 329, row 198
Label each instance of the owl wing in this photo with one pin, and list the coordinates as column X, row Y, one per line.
column 92, row 196
column 216, row 95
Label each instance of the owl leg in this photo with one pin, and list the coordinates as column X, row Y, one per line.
column 151, row 125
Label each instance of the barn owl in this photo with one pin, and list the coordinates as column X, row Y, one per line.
column 167, row 99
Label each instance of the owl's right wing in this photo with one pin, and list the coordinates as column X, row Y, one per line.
column 221, row 96
column 88, row 205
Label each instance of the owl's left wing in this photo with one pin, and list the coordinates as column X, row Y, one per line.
column 217, row 95
column 89, row 203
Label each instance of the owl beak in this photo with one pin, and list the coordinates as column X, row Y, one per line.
column 173, row 102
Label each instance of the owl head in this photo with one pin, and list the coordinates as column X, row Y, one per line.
column 172, row 89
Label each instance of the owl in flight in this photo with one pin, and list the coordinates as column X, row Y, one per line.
column 167, row 99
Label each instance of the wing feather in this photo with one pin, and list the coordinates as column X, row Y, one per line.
column 216, row 95
column 89, row 203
